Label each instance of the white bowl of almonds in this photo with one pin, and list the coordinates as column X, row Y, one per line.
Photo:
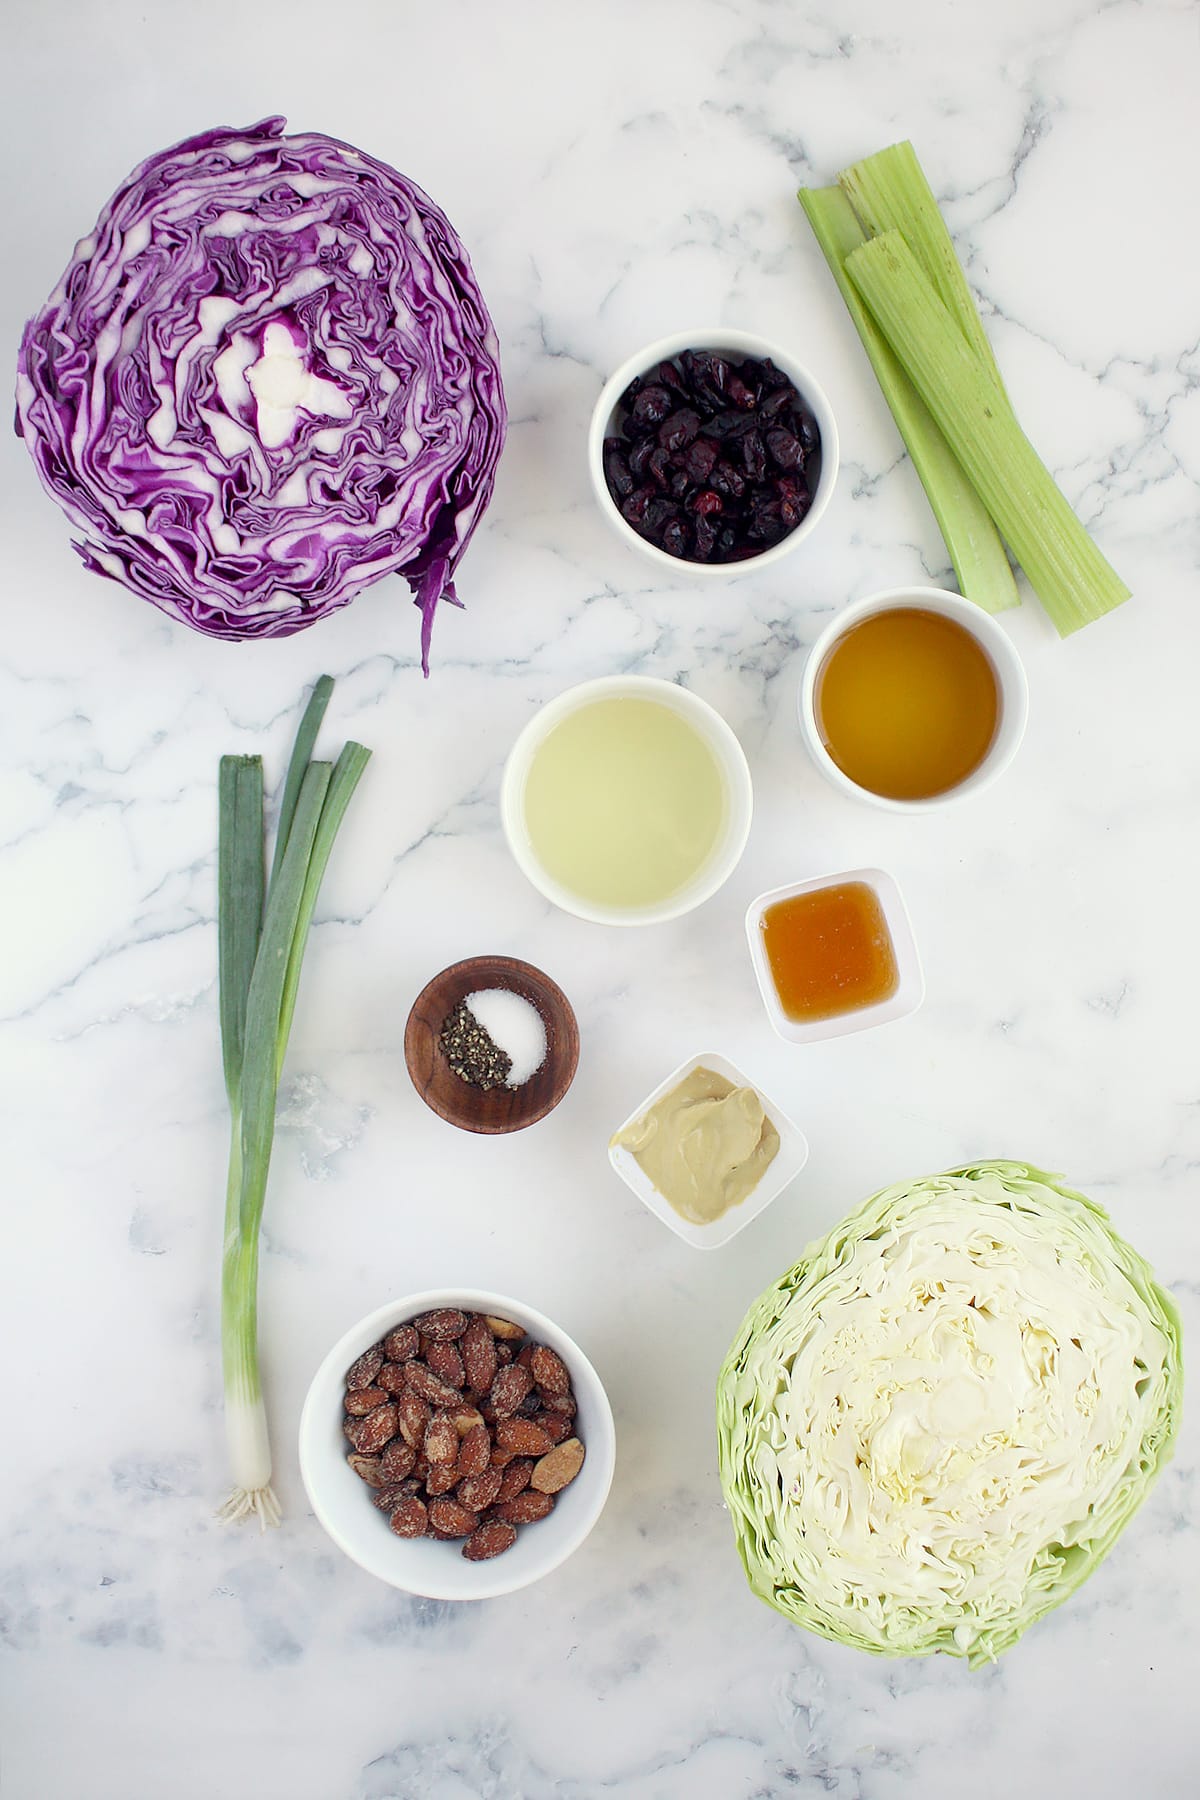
column 457, row 1444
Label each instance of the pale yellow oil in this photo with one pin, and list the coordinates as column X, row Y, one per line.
column 624, row 802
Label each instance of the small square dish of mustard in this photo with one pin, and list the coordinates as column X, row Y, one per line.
column 834, row 955
column 707, row 1151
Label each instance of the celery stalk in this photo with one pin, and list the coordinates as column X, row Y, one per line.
column 1070, row 576
column 964, row 522
column 889, row 192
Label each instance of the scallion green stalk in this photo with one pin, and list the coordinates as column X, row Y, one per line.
column 1072, row 579
column 260, row 972
column 966, row 526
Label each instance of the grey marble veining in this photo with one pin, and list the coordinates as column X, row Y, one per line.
column 616, row 172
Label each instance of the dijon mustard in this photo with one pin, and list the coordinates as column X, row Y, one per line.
column 705, row 1145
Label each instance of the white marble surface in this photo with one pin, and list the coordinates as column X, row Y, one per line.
column 617, row 171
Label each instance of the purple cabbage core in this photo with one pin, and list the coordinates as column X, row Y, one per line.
column 266, row 379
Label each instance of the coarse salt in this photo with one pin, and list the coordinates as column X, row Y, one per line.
column 515, row 1026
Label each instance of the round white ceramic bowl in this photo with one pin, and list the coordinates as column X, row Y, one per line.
column 342, row 1502
column 735, row 770
column 1006, row 666
column 730, row 343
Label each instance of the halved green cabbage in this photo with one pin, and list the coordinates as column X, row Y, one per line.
column 934, row 1427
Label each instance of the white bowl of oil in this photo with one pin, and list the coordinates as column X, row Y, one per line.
column 627, row 800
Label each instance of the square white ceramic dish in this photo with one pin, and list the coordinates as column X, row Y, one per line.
column 910, row 989
column 790, row 1159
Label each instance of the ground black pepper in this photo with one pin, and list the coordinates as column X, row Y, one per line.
column 471, row 1053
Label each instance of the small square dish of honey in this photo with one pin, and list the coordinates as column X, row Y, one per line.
column 834, row 955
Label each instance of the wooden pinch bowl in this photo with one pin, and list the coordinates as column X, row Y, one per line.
column 495, row 1109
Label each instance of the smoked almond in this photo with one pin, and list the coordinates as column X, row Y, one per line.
column 523, row 1436
column 362, row 1373
column 441, row 1440
column 477, row 1347
column 400, row 1344
column 449, row 1519
column 479, row 1491
column 446, row 1364
column 509, row 1389
column 549, row 1370
column 526, row 1508
column 442, row 1325
column 360, row 1401
column 370, row 1434
column 558, row 1467
column 410, row 1518
column 396, row 1463
column 475, row 1450
column 490, row 1540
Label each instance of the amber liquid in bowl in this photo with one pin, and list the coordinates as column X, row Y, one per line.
column 829, row 951
column 907, row 703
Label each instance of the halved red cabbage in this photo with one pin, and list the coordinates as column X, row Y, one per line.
column 266, row 379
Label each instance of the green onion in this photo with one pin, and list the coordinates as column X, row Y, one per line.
column 259, row 978
column 971, row 538
column 302, row 749
column 1068, row 573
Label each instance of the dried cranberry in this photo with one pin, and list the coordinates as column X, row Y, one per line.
column 742, row 396
column 766, row 523
column 652, row 405
column 639, row 458
column 700, row 458
column 616, row 468
column 633, row 508
column 727, row 425
column 656, row 468
column 774, row 403
column 754, row 455
column 674, row 538
column 727, row 482
column 658, row 512
column 705, row 540
column 705, row 503
column 679, row 428
column 785, row 448
column 667, row 375
column 678, row 482
column 794, row 500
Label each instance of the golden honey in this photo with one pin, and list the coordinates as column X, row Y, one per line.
column 829, row 951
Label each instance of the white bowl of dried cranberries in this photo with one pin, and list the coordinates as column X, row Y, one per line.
column 457, row 1444
column 713, row 451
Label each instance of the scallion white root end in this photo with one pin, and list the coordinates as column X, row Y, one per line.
column 245, row 1503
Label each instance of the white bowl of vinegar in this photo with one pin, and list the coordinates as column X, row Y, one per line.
column 913, row 698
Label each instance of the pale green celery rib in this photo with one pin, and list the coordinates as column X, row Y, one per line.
column 971, row 538
column 889, row 192
column 1072, row 579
